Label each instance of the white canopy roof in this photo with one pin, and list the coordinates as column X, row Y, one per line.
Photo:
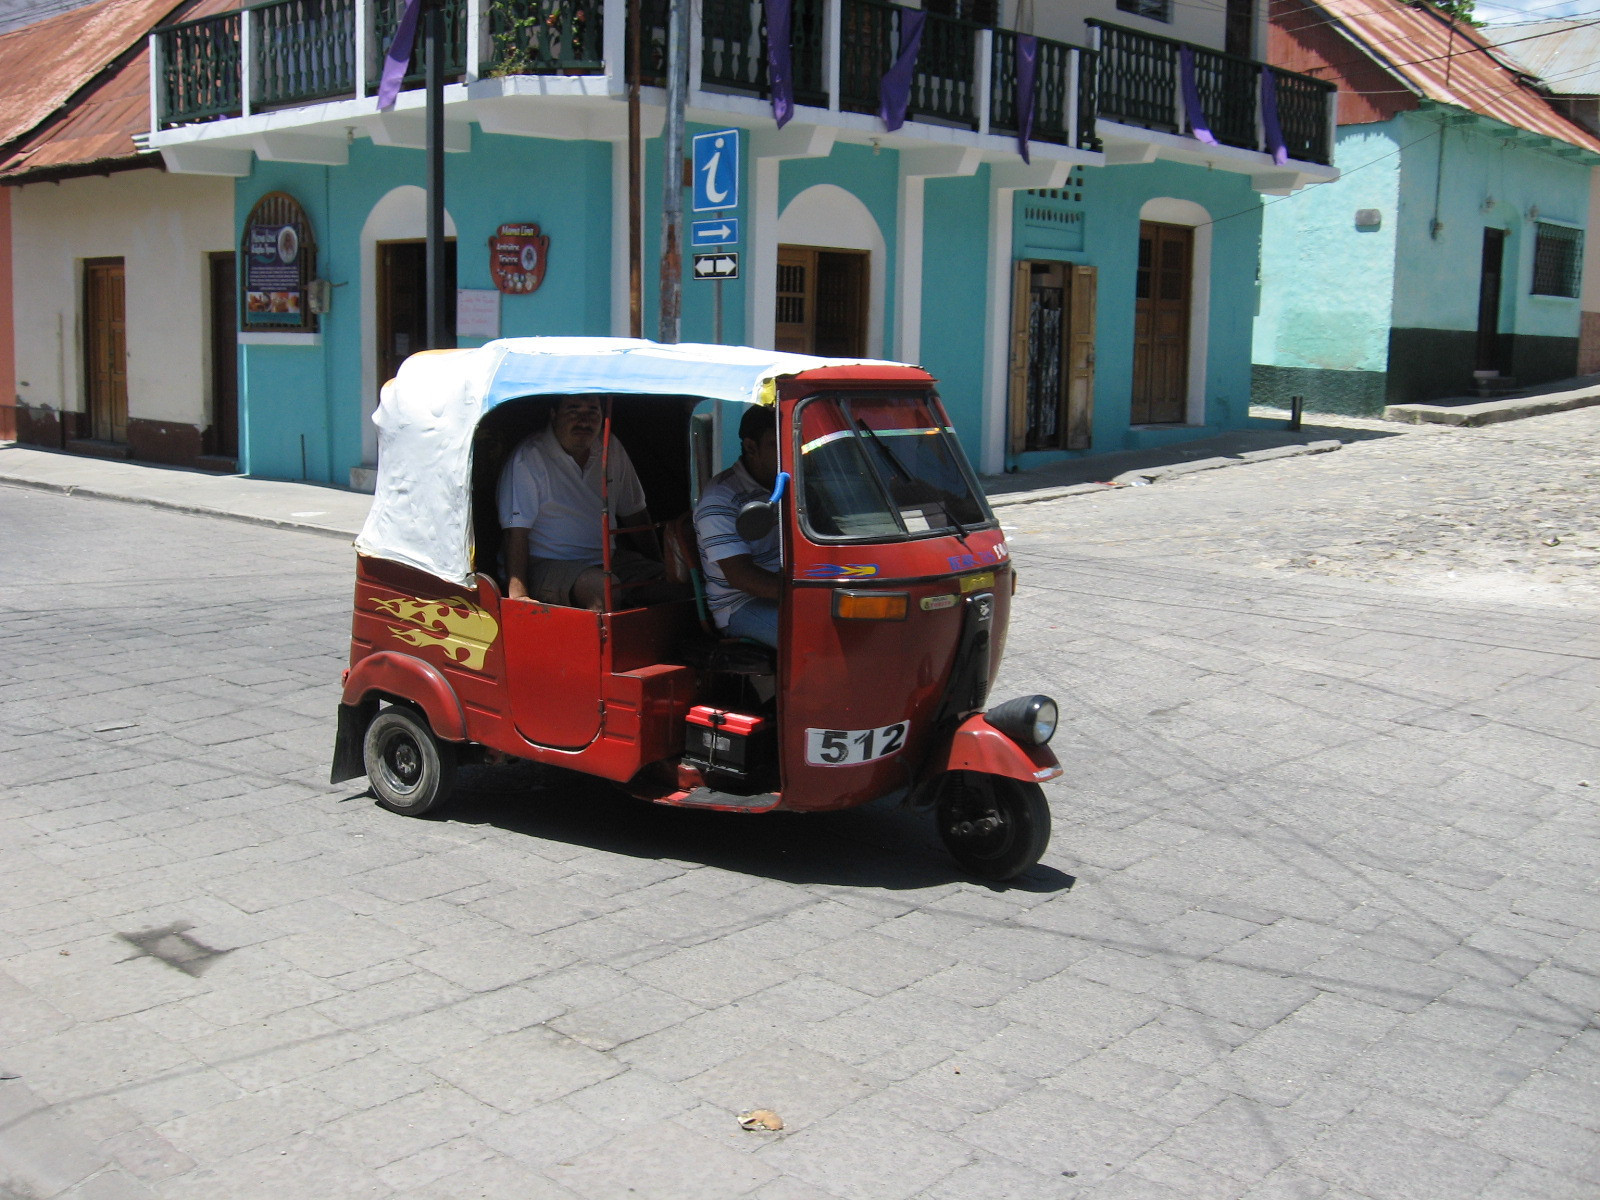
column 422, row 513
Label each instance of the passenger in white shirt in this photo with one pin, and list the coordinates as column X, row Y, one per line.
column 550, row 510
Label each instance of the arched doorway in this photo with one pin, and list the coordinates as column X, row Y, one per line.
column 831, row 273
column 1172, row 300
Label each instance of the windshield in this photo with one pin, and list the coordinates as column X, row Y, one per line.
column 884, row 467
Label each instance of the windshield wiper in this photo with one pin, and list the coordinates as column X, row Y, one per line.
column 900, row 469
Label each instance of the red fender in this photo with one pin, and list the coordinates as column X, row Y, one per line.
column 977, row 745
column 407, row 678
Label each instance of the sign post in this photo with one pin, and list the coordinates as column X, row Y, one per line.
column 715, row 170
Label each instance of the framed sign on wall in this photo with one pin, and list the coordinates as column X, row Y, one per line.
column 278, row 255
column 518, row 253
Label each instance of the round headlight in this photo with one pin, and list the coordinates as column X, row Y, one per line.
column 1029, row 720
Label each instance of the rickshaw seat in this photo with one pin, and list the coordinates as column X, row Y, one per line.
column 732, row 655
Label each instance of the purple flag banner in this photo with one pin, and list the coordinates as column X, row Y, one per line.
column 399, row 56
column 1191, row 98
column 1027, row 74
column 780, row 67
column 1269, row 117
column 894, row 89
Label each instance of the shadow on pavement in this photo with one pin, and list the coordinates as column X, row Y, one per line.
column 881, row 845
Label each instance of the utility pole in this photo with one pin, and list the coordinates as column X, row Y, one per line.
column 672, row 169
column 635, row 152
column 439, row 338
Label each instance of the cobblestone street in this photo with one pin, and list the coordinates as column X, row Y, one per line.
column 1320, row 918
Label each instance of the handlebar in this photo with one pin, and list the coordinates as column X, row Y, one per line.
column 778, row 487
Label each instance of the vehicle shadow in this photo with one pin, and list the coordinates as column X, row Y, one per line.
column 881, row 845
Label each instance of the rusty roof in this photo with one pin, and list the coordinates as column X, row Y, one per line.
column 75, row 88
column 1447, row 63
column 1563, row 53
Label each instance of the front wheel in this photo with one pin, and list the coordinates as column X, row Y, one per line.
column 993, row 826
column 410, row 770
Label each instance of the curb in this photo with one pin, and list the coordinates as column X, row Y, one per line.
column 1489, row 412
column 193, row 510
column 1144, row 476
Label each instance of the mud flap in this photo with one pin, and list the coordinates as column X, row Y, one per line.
column 348, row 761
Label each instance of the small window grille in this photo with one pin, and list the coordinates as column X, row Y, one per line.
column 1155, row 10
column 1557, row 260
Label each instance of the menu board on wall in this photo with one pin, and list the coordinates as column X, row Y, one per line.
column 279, row 255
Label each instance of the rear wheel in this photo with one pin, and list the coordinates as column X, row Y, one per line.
column 410, row 770
column 993, row 826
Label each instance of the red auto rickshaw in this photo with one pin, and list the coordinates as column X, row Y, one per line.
column 896, row 593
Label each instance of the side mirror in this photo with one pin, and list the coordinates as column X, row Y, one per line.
column 756, row 519
column 760, row 517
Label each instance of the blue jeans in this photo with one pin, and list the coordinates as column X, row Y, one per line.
column 756, row 620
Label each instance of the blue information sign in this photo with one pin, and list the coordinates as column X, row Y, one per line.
column 723, row 231
column 716, row 170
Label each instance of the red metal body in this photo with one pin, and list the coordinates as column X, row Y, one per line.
column 603, row 694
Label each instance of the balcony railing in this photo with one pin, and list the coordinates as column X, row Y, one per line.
column 1140, row 83
column 293, row 52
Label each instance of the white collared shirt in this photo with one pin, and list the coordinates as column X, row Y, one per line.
column 543, row 490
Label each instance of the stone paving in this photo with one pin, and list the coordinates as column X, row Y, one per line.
column 1320, row 918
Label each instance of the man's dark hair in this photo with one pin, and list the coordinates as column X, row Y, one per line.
column 757, row 418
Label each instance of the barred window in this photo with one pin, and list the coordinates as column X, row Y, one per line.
column 1155, row 10
column 1557, row 260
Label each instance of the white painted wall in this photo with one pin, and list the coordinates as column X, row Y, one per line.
column 162, row 227
column 828, row 216
column 1200, row 23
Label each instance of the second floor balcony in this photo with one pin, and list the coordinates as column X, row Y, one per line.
column 300, row 64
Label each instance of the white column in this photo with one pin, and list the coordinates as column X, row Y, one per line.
column 155, row 87
column 247, row 60
column 916, row 167
column 620, row 298
column 997, row 338
column 363, row 47
column 477, row 29
column 614, row 47
column 832, row 51
column 983, row 74
column 1074, row 91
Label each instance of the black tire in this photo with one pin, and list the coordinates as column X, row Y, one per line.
column 995, row 827
column 410, row 770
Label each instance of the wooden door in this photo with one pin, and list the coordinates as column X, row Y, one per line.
column 105, row 349
column 1490, row 277
column 821, row 302
column 1161, row 324
column 224, row 433
column 402, row 301
column 1052, row 356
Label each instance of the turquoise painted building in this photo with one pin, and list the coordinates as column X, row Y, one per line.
column 1448, row 254
column 1096, row 298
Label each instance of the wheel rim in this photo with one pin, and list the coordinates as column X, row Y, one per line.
column 402, row 761
column 979, row 824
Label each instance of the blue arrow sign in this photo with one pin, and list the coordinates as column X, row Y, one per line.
column 724, row 232
column 716, row 170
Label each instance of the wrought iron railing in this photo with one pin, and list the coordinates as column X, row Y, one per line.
column 386, row 18
column 1055, row 117
column 544, row 37
column 943, row 87
column 304, row 50
column 1303, row 114
column 1140, row 83
column 198, row 70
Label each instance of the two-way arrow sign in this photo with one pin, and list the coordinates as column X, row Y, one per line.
column 716, row 266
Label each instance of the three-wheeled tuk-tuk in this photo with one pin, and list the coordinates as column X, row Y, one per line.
column 895, row 593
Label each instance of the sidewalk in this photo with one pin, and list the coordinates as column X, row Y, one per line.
column 319, row 508
column 1559, row 396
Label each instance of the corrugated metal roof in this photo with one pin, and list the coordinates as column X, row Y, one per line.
column 1451, row 64
column 60, row 105
column 43, row 65
column 1564, row 54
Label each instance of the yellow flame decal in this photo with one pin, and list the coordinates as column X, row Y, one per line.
column 462, row 629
